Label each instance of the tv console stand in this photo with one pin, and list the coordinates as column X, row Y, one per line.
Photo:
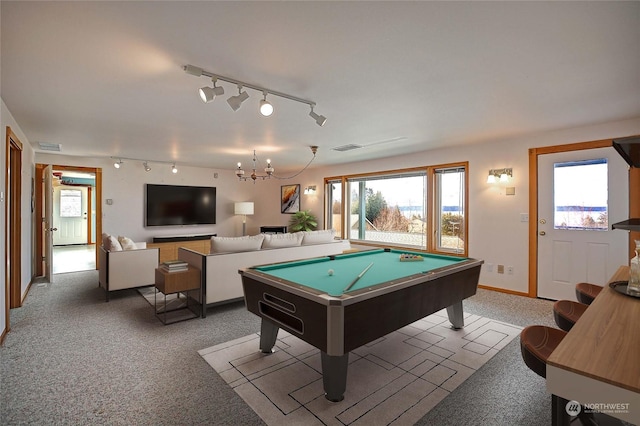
column 169, row 246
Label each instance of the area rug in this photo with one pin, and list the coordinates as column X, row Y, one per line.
column 395, row 380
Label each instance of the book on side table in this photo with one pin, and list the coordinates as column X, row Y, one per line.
column 174, row 265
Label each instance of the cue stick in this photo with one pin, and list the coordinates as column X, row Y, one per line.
column 358, row 277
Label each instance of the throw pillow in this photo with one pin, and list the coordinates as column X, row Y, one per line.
column 318, row 237
column 236, row 244
column 127, row 243
column 111, row 244
column 282, row 240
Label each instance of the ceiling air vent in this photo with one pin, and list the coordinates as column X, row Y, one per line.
column 347, row 147
column 46, row 146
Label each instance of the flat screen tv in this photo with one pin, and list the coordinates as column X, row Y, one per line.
column 176, row 205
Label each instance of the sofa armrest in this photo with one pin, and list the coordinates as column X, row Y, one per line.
column 128, row 268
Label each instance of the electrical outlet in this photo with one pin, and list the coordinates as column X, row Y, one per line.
column 488, row 267
column 501, row 269
column 510, row 270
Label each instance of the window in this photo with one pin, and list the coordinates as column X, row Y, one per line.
column 392, row 208
column 580, row 195
column 334, row 214
column 70, row 203
column 388, row 209
column 450, row 209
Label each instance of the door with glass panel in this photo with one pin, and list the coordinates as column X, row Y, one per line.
column 580, row 194
column 70, row 215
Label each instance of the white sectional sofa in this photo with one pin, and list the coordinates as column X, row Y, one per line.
column 219, row 269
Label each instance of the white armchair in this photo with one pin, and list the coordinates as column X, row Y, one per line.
column 128, row 268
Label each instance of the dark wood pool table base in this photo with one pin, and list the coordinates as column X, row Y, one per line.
column 334, row 367
column 337, row 325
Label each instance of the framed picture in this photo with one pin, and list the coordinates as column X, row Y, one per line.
column 290, row 198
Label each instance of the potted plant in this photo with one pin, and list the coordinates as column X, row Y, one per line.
column 303, row 220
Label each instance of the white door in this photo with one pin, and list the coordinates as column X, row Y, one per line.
column 47, row 223
column 580, row 195
column 70, row 215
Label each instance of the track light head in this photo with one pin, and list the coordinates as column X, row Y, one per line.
column 266, row 108
column 146, row 167
column 174, row 169
column 320, row 119
column 117, row 164
column 235, row 102
column 208, row 94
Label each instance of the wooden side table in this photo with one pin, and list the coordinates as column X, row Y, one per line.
column 175, row 283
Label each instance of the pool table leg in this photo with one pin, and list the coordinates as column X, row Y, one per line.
column 334, row 375
column 268, row 336
column 456, row 315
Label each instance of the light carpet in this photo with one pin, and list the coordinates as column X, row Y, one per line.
column 395, row 380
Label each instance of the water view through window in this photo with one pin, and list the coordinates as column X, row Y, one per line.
column 580, row 195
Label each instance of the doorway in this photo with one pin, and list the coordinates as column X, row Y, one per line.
column 580, row 194
column 551, row 242
column 75, row 219
column 13, row 225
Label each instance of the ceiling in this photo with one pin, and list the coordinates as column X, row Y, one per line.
column 106, row 79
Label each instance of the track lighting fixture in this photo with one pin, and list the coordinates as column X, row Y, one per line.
column 320, row 119
column 145, row 163
column 266, row 108
column 208, row 94
column 235, row 102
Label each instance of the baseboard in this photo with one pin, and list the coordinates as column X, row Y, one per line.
column 26, row 292
column 503, row 290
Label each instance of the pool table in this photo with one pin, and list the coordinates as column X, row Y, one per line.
column 309, row 299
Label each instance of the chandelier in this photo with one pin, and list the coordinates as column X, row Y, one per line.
column 269, row 170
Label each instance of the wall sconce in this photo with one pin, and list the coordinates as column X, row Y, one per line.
column 500, row 175
column 310, row 190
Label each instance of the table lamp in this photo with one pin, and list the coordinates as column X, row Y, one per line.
column 244, row 208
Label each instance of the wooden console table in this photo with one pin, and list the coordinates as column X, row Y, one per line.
column 598, row 361
column 169, row 250
column 175, row 283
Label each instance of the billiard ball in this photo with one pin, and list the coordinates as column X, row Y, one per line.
column 330, row 272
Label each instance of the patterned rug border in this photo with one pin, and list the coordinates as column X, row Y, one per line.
column 396, row 379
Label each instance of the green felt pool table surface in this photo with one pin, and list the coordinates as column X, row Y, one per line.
column 314, row 273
